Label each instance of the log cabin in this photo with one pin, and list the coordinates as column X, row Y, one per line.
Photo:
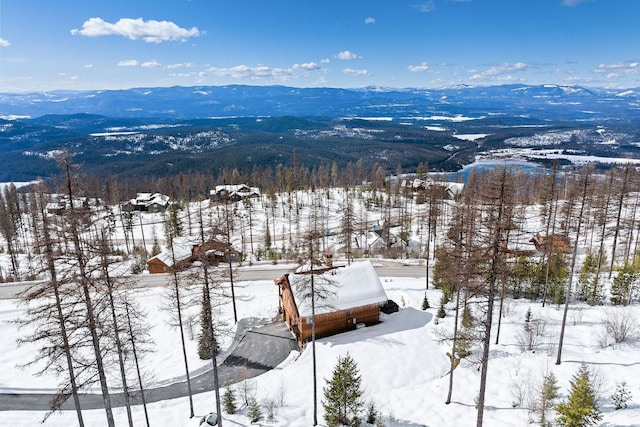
column 554, row 243
column 353, row 296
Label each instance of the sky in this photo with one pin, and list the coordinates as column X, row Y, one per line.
column 119, row 44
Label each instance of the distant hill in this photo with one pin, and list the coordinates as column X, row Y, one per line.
column 545, row 101
column 162, row 131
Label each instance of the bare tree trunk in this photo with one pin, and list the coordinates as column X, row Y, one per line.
column 227, row 225
column 491, row 282
column 213, row 344
column 623, row 192
column 176, row 289
column 104, row 248
column 135, row 358
column 567, row 296
column 51, row 268
column 84, row 282
column 453, row 346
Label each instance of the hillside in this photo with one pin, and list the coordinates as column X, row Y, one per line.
column 403, row 359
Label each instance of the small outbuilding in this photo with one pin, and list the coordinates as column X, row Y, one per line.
column 345, row 297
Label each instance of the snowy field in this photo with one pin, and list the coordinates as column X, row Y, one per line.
column 402, row 362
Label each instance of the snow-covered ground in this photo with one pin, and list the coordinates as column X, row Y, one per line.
column 402, row 362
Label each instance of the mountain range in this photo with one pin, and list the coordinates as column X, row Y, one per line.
column 206, row 128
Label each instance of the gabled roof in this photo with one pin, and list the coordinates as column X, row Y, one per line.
column 241, row 190
column 182, row 248
column 353, row 286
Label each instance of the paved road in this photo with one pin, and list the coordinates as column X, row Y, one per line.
column 383, row 268
column 258, row 351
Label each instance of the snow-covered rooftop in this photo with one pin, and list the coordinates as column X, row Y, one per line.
column 352, row 286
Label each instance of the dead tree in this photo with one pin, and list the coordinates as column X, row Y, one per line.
column 73, row 222
column 583, row 184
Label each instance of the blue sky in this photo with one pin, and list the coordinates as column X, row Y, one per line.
column 117, row 44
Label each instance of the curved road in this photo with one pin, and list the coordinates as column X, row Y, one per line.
column 258, row 351
column 383, row 268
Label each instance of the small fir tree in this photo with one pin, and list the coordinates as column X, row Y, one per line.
column 589, row 280
column 372, row 413
column 342, row 393
column 546, row 399
column 229, row 400
column 425, row 302
column 467, row 317
column 625, row 282
column 255, row 413
column 621, row 396
column 441, row 312
column 581, row 407
column 463, row 342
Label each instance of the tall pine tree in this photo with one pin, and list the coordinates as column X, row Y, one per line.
column 343, row 393
column 581, row 408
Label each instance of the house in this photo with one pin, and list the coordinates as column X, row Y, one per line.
column 353, row 296
column 59, row 206
column 233, row 193
column 378, row 241
column 147, row 202
column 187, row 250
column 216, row 251
column 556, row 243
column 169, row 261
column 443, row 189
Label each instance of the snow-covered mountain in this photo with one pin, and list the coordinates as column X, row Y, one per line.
column 240, row 100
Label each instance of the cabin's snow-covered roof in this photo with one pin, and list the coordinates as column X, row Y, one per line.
column 182, row 249
column 352, row 286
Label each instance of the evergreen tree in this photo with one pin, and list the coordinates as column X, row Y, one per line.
column 547, row 395
column 229, row 400
column 343, row 394
column 372, row 413
column 621, row 396
column 441, row 312
column 590, row 287
column 625, row 282
column 425, row 302
column 206, row 334
column 581, row 408
column 255, row 413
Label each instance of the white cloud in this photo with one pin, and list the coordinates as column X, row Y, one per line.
column 128, row 63
column 309, row 66
column 135, row 63
column 624, row 68
column 181, row 65
column 426, row 6
column 418, row 68
column 616, row 69
column 265, row 72
column 499, row 70
column 369, row 20
column 347, row 56
column 353, row 72
column 325, row 61
column 88, row 65
column 150, row 64
column 4, row 43
column 136, row 29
